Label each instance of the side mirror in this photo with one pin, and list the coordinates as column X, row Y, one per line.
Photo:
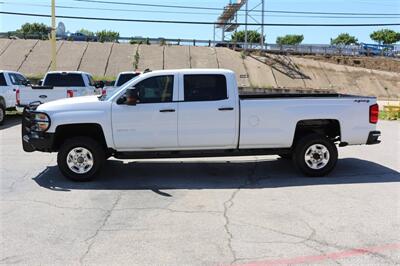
column 130, row 98
column 26, row 83
column 99, row 84
column 40, row 83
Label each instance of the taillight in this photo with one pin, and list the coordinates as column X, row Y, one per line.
column 103, row 92
column 70, row 93
column 17, row 97
column 373, row 113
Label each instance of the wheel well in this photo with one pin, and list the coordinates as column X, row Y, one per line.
column 326, row 127
column 64, row 132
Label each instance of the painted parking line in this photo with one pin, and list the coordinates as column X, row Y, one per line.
column 318, row 258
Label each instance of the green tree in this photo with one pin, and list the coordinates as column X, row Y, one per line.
column 385, row 36
column 344, row 39
column 107, row 36
column 36, row 29
column 290, row 39
column 86, row 32
column 252, row 36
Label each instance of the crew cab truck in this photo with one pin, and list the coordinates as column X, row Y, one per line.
column 10, row 82
column 197, row 113
column 58, row 85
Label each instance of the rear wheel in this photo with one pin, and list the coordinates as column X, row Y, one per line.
column 80, row 158
column 2, row 114
column 315, row 155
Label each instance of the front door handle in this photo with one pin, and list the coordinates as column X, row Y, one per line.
column 225, row 108
column 167, row 110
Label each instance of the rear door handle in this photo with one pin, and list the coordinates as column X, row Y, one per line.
column 167, row 110
column 225, row 108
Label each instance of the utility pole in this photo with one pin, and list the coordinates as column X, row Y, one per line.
column 245, row 25
column 262, row 26
column 53, row 36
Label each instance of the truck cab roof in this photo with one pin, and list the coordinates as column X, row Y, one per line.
column 68, row 72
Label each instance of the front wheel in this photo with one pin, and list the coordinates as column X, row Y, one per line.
column 80, row 158
column 315, row 155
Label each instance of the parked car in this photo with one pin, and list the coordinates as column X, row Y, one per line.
column 57, row 85
column 197, row 113
column 228, row 45
column 10, row 82
column 78, row 36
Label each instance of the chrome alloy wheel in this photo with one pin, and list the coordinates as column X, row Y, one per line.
column 80, row 160
column 317, row 156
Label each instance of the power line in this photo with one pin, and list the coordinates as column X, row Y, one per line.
column 189, row 13
column 221, row 9
column 201, row 22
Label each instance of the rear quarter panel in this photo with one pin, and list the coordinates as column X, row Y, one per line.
column 271, row 123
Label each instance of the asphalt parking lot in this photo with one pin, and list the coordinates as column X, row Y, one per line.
column 216, row 211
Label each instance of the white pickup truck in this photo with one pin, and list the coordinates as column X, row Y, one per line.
column 197, row 113
column 58, row 85
column 10, row 83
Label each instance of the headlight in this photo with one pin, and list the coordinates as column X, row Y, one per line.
column 41, row 122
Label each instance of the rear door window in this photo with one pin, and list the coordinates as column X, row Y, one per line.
column 205, row 87
column 2, row 80
column 64, row 80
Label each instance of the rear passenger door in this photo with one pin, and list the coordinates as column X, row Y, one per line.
column 207, row 114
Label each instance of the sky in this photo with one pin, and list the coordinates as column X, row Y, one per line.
column 312, row 35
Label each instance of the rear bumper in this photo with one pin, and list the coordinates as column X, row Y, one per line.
column 373, row 137
column 32, row 140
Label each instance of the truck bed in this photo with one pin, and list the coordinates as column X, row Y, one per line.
column 251, row 95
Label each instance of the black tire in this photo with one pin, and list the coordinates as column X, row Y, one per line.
column 96, row 153
column 286, row 156
column 306, row 145
column 2, row 114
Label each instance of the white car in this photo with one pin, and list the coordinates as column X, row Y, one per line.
column 10, row 82
column 197, row 113
column 58, row 85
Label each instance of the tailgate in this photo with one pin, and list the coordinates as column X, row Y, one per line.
column 42, row 93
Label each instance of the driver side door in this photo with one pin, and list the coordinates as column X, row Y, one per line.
column 151, row 124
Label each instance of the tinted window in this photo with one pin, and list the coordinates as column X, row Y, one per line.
column 123, row 78
column 16, row 79
column 156, row 89
column 2, row 80
column 64, row 80
column 205, row 87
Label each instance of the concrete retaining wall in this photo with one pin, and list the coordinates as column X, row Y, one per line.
column 95, row 59
column 32, row 57
column 151, row 56
column 16, row 53
column 39, row 60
